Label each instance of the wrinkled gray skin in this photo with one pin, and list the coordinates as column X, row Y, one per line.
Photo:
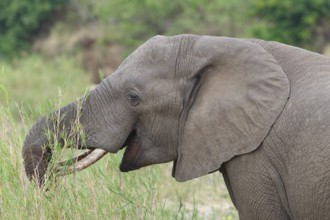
column 257, row 111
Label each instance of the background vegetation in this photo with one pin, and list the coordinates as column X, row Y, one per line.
column 20, row 20
column 51, row 52
column 301, row 23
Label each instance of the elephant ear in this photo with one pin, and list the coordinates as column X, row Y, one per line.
column 239, row 92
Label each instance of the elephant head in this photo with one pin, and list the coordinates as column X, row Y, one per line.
column 195, row 100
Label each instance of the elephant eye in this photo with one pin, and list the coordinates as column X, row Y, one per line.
column 133, row 99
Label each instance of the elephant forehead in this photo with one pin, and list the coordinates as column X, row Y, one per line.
column 153, row 55
column 146, row 72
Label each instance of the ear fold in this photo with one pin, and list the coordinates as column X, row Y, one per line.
column 241, row 93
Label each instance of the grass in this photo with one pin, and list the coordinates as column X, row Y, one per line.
column 35, row 83
column 100, row 192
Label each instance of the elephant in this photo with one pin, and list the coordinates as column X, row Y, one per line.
column 256, row 111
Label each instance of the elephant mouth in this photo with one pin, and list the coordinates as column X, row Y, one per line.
column 91, row 156
column 131, row 152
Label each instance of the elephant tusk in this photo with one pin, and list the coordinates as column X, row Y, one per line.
column 80, row 162
column 75, row 159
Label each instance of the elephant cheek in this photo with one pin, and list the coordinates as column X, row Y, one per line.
column 130, row 155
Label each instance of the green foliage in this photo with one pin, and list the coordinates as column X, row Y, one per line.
column 33, row 83
column 296, row 22
column 19, row 20
column 129, row 23
column 132, row 22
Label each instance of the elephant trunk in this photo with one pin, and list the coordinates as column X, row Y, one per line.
column 36, row 151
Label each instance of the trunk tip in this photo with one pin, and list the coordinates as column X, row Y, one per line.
column 35, row 160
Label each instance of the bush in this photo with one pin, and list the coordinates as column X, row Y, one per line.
column 129, row 23
column 296, row 22
column 19, row 20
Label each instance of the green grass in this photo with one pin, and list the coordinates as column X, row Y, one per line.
column 100, row 192
column 35, row 83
